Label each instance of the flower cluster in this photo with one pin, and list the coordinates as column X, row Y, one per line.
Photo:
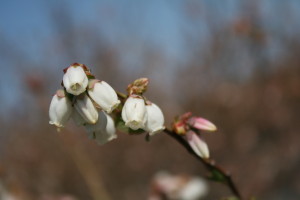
column 139, row 113
column 88, row 101
column 189, row 127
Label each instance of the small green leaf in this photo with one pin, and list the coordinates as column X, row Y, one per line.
column 217, row 176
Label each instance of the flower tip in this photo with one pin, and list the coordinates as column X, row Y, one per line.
column 93, row 121
column 58, row 126
column 202, row 124
column 151, row 133
column 134, row 124
column 114, row 106
column 197, row 144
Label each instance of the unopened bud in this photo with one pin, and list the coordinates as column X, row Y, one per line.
column 179, row 127
column 138, row 87
column 201, row 124
column 197, row 144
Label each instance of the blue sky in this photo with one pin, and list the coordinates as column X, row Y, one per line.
column 27, row 26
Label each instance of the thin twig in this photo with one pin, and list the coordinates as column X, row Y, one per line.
column 208, row 163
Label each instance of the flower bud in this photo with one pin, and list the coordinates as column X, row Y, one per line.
column 60, row 109
column 104, row 95
column 155, row 119
column 104, row 130
column 85, row 107
column 138, row 86
column 134, row 112
column 179, row 127
column 75, row 80
column 197, row 144
column 202, row 124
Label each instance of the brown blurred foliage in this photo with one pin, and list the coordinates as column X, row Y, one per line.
column 256, row 111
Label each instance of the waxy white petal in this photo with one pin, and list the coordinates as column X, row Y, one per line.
column 134, row 113
column 104, row 130
column 85, row 107
column 155, row 119
column 75, row 80
column 104, row 95
column 60, row 111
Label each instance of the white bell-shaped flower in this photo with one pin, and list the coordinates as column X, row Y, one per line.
column 60, row 109
column 104, row 130
column 75, row 80
column 85, row 107
column 197, row 144
column 155, row 119
column 104, row 95
column 134, row 112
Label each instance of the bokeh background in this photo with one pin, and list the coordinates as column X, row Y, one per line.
column 233, row 62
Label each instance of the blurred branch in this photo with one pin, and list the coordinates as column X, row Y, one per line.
column 217, row 173
column 210, row 164
column 85, row 166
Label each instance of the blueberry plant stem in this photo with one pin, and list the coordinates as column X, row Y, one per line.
column 208, row 163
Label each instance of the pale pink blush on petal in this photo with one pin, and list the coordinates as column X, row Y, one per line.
column 197, row 144
column 202, row 124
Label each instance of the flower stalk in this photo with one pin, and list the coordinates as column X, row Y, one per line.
column 89, row 101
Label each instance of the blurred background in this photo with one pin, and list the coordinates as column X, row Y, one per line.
column 233, row 62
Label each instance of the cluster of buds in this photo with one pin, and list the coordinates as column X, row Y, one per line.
column 87, row 100
column 139, row 113
column 189, row 127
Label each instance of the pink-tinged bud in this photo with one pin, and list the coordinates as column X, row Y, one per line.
column 134, row 112
column 202, row 124
column 60, row 109
column 85, row 107
column 155, row 119
column 179, row 127
column 104, row 130
column 75, row 80
column 104, row 95
column 197, row 144
column 138, row 86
